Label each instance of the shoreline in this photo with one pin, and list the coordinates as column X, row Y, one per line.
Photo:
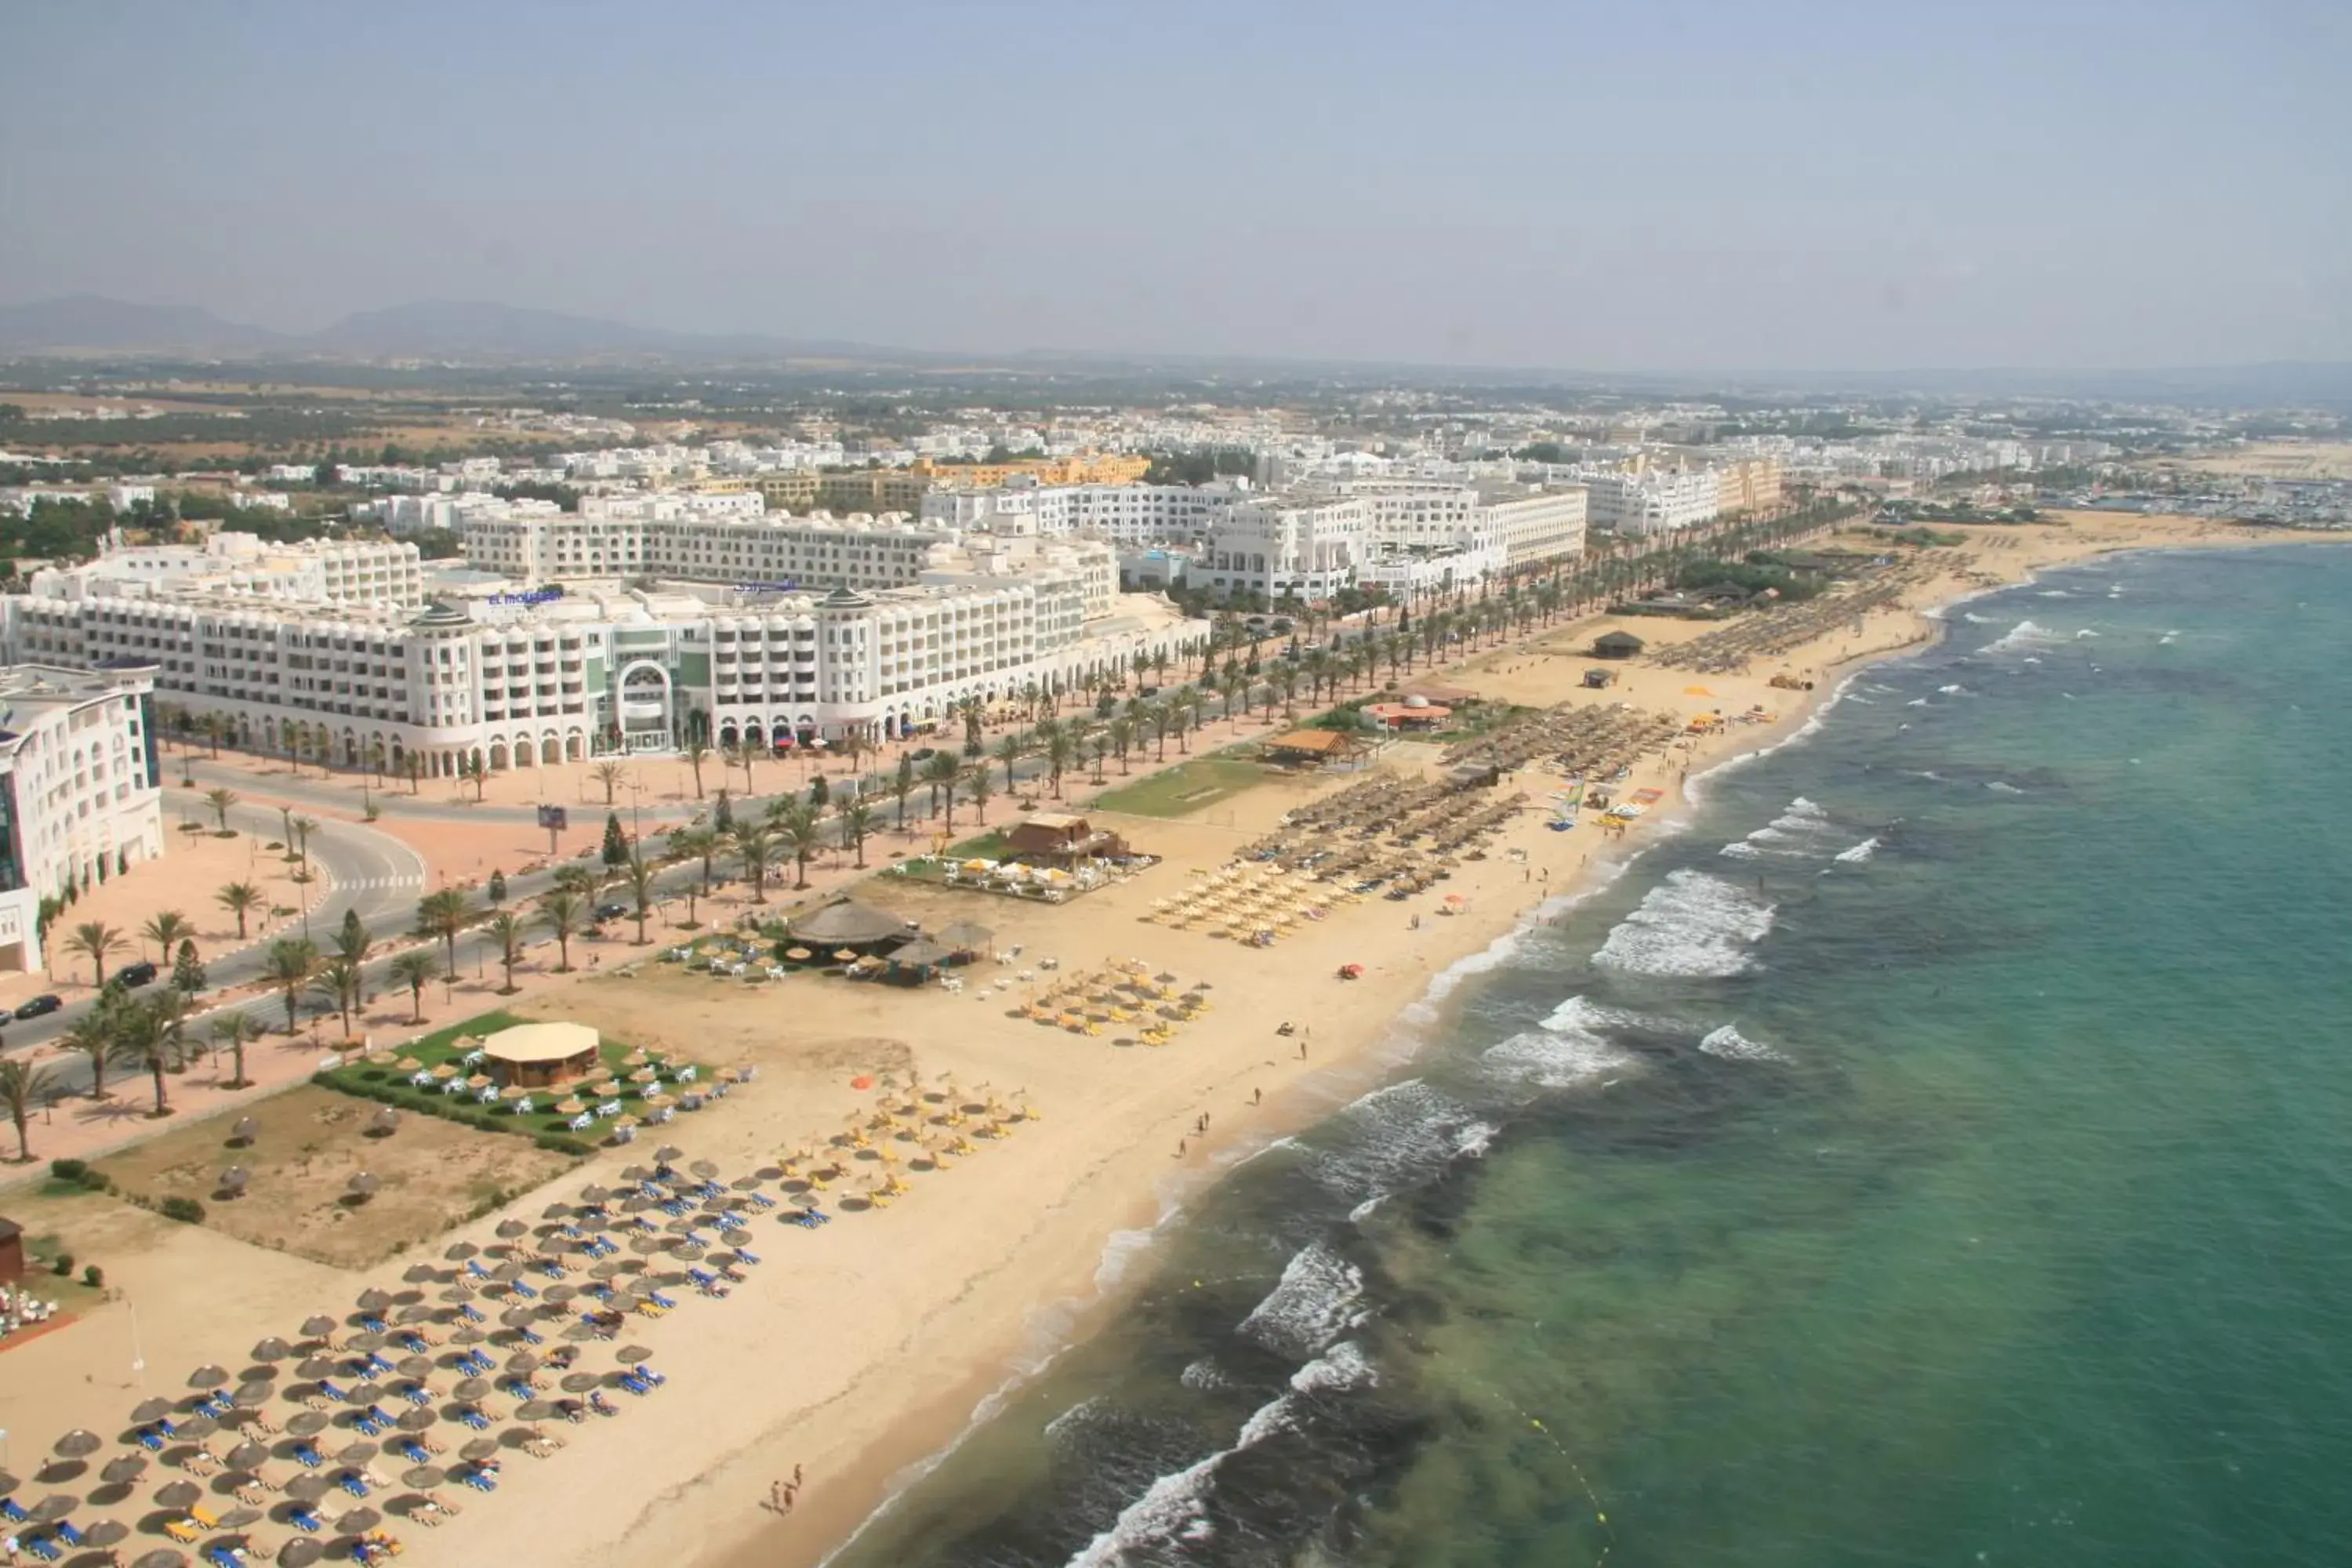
column 931, row 1436
column 1369, row 1066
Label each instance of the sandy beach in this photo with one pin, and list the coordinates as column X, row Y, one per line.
column 856, row 1351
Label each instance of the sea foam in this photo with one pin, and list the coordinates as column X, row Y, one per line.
column 1728, row 1043
column 1689, row 924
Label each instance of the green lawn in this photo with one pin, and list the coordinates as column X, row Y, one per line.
column 382, row 1081
column 1185, row 788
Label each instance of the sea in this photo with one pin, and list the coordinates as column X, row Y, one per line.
column 1936, row 1149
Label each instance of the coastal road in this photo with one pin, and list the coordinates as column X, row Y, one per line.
column 367, row 872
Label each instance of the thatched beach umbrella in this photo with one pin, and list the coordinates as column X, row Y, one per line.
column 474, row 1388
column 373, row 1301
column 301, row 1553
column 308, row 1487
column 246, row 1130
column 161, row 1557
column 78, row 1444
column 629, row 1355
column 148, row 1411
column 123, row 1471
column 415, row 1419
column 178, row 1494
column 357, row 1454
column 308, row 1423
column 424, row 1478
column 247, row 1456
column 197, row 1427
column 478, row 1450
column 511, row 1228
column 252, row 1396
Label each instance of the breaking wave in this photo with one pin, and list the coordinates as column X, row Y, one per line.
column 1728, row 1043
column 1689, row 924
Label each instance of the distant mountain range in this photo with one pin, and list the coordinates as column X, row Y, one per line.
column 483, row 333
column 91, row 324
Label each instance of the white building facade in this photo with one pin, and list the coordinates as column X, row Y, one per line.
column 523, row 679
column 81, row 795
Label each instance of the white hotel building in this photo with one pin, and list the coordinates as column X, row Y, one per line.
column 81, row 795
column 1127, row 514
column 520, row 679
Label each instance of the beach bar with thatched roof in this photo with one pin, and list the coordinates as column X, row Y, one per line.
column 539, row 1056
column 847, row 924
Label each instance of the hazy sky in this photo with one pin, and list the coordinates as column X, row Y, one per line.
column 1637, row 184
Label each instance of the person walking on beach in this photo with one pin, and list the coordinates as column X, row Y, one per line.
column 796, row 1476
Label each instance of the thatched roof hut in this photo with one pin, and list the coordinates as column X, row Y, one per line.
column 848, row 923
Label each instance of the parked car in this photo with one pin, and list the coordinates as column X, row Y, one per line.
column 34, row 1007
column 612, row 911
column 140, row 974
column 924, row 753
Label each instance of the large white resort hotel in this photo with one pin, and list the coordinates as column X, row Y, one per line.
column 568, row 636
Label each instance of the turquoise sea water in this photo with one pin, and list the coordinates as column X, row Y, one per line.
column 1937, row 1152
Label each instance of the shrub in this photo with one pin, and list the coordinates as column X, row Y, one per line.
column 97, row 1181
column 68, row 1170
column 94, row 1277
column 187, row 1211
column 63, row 1265
column 563, row 1143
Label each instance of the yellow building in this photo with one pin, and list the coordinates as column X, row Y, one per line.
column 872, row 490
column 789, row 490
column 1087, row 469
column 1751, row 484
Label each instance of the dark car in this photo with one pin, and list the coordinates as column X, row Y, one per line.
column 612, row 912
column 34, row 1007
column 140, row 974
column 924, row 754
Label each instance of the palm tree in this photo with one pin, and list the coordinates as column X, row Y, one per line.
column 697, row 753
column 471, row 766
column 92, row 1035
column 167, row 931
column 754, row 845
column 291, row 961
column 220, row 800
column 1059, row 748
column 23, row 1085
column 1010, row 751
column 506, row 928
column 444, row 914
column 941, row 771
column 234, row 1029
column 138, row 1039
column 1122, row 735
column 563, row 912
column 902, row 784
column 978, row 787
column 803, row 829
column 339, row 980
column 215, row 727
column 856, row 822
column 95, row 941
column 610, row 775
column 638, row 873
column 414, row 969
column 696, row 843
